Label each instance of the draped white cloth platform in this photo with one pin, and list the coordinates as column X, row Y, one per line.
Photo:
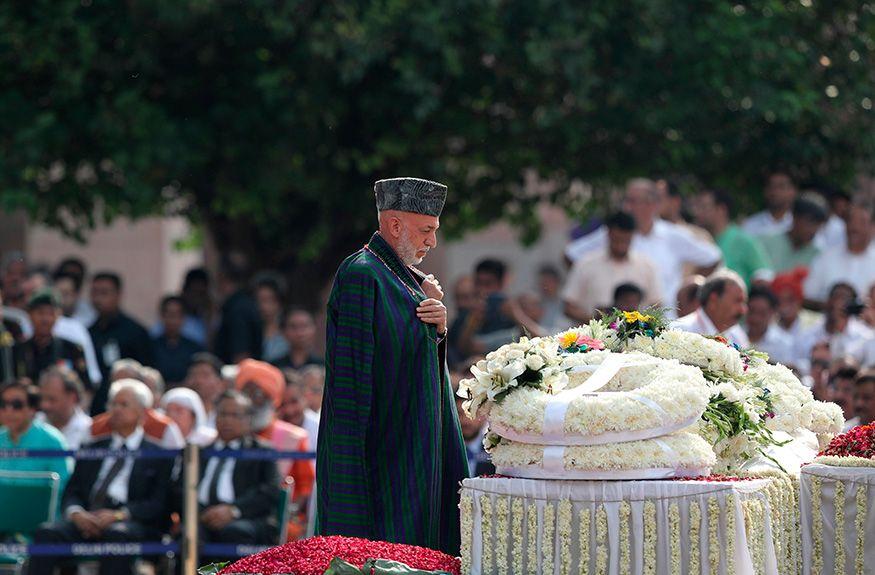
column 542, row 527
column 830, row 528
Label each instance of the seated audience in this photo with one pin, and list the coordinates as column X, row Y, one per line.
column 628, row 297
column 864, row 398
column 237, row 498
column 44, row 349
column 172, row 349
column 295, row 410
column 115, row 334
column 205, row 377
column 264, row 384
column 852, row 263
column 19, row 402
column 158, row 427
column 154, row 381
column 761, row 330
column 61, row 396
column 116, row 499
column 185, row 408
column 299, row 330
column 723, row 301
column 269, row 290
column 595, row 276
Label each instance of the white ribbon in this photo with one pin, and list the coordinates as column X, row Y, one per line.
column 600, row 439
column 554, row 459
column 534, row 472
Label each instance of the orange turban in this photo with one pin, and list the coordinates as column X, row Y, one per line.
column 265, row 376
column 790, row 281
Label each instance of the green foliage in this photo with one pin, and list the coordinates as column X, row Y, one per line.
column 268, row 121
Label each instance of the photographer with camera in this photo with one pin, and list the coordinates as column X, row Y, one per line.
column 846, row 333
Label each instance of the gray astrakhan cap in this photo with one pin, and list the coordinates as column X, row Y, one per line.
column 410, row 195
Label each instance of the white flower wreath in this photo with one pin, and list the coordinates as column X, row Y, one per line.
column 648, row 398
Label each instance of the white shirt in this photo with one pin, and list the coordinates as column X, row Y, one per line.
column 764, row 224
column 669, row 246
column 84, row 313
column 778, row 345
column 75, row 332
column 77, row 432
column 852, row 341
column 837, row 264
column 118, row 489
column 832, row 234
column 311, row 425
column 225, row 487
column 699, row 322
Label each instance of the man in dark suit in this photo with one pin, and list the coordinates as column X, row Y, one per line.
column 237, row 497
column 116, row 499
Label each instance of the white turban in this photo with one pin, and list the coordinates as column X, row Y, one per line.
column 189, row 399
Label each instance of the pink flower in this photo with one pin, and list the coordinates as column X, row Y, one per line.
column 589, row 342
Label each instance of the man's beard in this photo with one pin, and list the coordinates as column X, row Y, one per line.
column 262, row 417
column 407, row 251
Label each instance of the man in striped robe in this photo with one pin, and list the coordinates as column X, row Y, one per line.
column 390, row 452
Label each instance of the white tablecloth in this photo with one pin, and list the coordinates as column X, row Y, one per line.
column 544, row 527
column 819, row 487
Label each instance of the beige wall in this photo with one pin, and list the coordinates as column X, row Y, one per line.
column 141, row 252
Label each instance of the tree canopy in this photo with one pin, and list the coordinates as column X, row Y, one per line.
column 268, row 121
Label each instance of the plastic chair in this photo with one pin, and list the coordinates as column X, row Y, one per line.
column 28, row 499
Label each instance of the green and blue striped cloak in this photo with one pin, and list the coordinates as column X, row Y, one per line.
column 390, row 451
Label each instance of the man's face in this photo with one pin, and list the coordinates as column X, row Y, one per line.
column 619, row 241
column 55, row 401
column 269, row 304
column 487, row 284
column 864, row 402
column 172, row 316
column 837, row 302
column 67, row 294
column 705, row 210
column 788, row 305
column 640, row 202
column 125, row 412
column 292, row 408
column 232, row 421
column 43, row 318
column 759, row 314
column 465, row 293
column 300, row 330
column 727, row 310
column 548, row 284
column 104, row 296
column 843, row 395
column 858, row 228
column 16, row 414
column 418, row 236
column 804, row 229
column 780, row 192
column 206, row 382
column 314, row 388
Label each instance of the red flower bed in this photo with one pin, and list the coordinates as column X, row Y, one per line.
column 312, row 556
column 858, row 442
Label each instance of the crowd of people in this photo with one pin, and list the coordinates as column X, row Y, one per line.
column 78, row 371
column 232, row 364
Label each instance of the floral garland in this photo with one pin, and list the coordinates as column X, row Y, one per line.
column 502, row 535
column 753, row 522
column 625, row 552
column 564, row 532
column 486, row 514
column 649, row 538
column 532, row 535
column 713, row 539
column 466, row 508
column 854, row 448
column 839, row 566
column 730, row 533
column 674, row 526
column 585, row 525
column 695, row 547
column 678, row 450
column 817, row 527
column 517, row 534
column 547, row 547
column 601, row 540
column 860, row 525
